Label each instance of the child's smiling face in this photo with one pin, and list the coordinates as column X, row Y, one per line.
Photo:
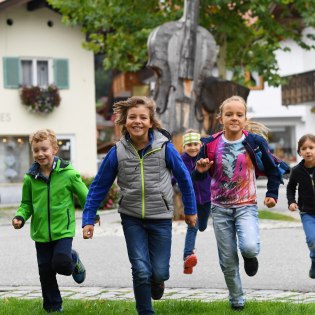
column 43, row 153
column 192, row 149
column 233, row 118
column 138, row 122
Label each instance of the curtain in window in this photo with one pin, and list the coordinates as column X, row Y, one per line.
column 42, row 73
column 27, row 74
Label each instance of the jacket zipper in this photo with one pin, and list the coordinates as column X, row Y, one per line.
column 48, row 202
column 142, row 177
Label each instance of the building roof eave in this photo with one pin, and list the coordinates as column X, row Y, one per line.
column 10, row 3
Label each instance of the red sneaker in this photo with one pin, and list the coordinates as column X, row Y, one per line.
column 190, row 262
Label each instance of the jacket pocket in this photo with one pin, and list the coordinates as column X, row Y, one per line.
column 69, row 218
column 166, row 204
column 120, row 200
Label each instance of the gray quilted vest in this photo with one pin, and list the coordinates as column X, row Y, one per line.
column 145, row 183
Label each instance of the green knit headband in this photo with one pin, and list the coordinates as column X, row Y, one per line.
column 192, row 137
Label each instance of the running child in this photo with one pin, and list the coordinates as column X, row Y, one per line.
column 233, row 192
column 143, row 160
column 302, row 180
column 47, row 198
column 192, row 145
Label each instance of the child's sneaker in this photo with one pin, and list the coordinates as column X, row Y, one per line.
column 189, row 263
column 79, row 272
column 237, row 307
column 157, row 290
column 250, row 266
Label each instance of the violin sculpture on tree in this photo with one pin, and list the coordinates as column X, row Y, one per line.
column 182, row 55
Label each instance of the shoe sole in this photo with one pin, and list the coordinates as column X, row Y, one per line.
column 188, row 270
column 252, row 272
column 83, row 273
column 160, row 294
column 190, row 262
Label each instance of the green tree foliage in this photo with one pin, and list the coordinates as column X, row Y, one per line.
column 248, row 32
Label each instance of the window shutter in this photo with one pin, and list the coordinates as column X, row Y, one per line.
column 61, row 73
column 11, row 72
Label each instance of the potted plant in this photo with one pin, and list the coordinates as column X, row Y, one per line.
column 40, row 100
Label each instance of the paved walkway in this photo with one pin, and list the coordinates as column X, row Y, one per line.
column 112, row 227
column 111, row 293
column 206, row 295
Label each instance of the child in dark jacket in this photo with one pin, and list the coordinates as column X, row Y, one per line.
column 302, row 178
column 47, row 198
column 192, row 145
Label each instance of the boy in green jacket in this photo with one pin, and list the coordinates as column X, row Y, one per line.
column 47, row 197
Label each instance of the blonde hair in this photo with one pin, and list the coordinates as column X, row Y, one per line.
column 234, row 98
column 121, row 110
column 42, row 135
column 258, row 128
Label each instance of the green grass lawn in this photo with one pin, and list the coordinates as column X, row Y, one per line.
column 164, row 307
column 271, row 215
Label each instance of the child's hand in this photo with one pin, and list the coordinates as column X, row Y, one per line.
column 88, row 231
column 270, row 202
column 191, row 219
column 203, row 165
column 293, row 207
column 17, row 223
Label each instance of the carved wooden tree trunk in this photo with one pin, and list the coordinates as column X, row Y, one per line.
column 182, row 54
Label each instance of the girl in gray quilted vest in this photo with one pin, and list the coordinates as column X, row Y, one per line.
column 144, row 161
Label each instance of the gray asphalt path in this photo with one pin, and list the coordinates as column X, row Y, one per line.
column 284, row 258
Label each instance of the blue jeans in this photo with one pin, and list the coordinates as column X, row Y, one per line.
column 52, row 258
column 149, row 251
column 308, row 221
column 229, row 225
column 203, row 212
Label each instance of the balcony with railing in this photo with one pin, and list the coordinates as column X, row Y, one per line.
column 299, row 89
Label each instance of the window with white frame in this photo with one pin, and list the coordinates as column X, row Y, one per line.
column 33, row 71
column 36, row 72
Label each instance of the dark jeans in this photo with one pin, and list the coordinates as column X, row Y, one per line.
column 52, row 258
column 149, row 251
column 203, row 213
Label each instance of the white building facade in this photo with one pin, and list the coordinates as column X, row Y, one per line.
column 37, row 49
column 286, row 123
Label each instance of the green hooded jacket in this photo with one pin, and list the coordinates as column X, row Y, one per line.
column 50, row 201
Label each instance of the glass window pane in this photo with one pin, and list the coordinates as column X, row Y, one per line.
column 14, row 158
column 27, row 74
column 64, row 149
column 42, row 73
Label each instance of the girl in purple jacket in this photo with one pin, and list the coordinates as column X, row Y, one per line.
column 192, row 145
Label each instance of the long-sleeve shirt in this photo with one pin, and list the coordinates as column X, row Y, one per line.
column 109, row 170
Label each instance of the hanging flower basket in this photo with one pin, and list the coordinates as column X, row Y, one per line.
column 40, row 100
